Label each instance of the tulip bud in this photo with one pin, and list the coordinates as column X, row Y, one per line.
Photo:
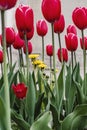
column 18, row 43
column 29, row 48
column 79, row 17
column 83, row 45
column 20, row 90
column 41, row 28
column 1, row 56
column 51, row 9
column 49, row 50
column 24, row 18
column 71, row 41
column 71, row 29
column 59, row 25
column 64, row 54
column 7, row 4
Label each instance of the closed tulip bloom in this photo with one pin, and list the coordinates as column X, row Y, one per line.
column 10, row 35
column 41, row 27
column 51, row 9
column 71, row 41
column 64, row 54
column 59, row 25
column 20, row 90
column 28, row 34
column 49, row 50
column 29, row 48
column 71, row 29
column 1, row 56
column 79, row 17
column 83, row 45
column 24, row 18
column 7, row 4
column 18, row 43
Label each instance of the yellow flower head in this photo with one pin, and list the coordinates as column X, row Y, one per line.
column 42, row 66
column 37, row 62
column 33, row 56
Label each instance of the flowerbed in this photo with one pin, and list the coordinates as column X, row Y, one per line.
column 30, row 98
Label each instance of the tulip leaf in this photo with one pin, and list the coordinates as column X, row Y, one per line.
column 30, row 100
column 73, row 118
column 70, row 91
column 43, row 122
column 19, row 120
column 2, row 115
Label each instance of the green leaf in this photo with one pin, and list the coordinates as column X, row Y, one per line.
column 73, row 119
column 43, row 122
column 30, row 100
column 19, row 120
column 2, row 115
column 70, row 91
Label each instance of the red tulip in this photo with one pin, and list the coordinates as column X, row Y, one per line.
column 71, row 29
column 64, row 54
column 71, row 41
column 18, row 43
column 29, row 48
column 29, row 34
column 83, row 45
column 51, row 9
column 24, row 18
column 79, row 17
column 1, row 56
column 20, row 90
column 7, row 4
column 10, row 35
column 59, row 25
column 41, row 27
column 49, row 50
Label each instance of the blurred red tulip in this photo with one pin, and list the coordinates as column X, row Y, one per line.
column 71, row 29
column 18, row 43
column 29, row 34
column 41, row 27
column 59, row 25
column 64, row 54
column 1, row 56
column 7, row 4
column 83, row 45
column 10, row 35
column 24, row 18
column 51, row 9
column 71, row 41
column 20, row 90
column 79, row 17
column 49, row 50
column 29, row 48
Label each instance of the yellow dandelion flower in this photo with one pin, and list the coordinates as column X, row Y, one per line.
column 37, row 62
column 33, row 56
column 42, row 66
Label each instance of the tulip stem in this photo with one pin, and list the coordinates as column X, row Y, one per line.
column 52, row 27
column 75, row 57
column 1, row 69
column 27, row 59
column 10, row 57
column 42, row 48
column 6, row 86
column 72, row 59
column 84, row 63
column 60, row 47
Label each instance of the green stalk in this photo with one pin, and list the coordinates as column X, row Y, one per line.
column 27, row 59
column 42, row 48
column 60, row 47
column 72, row 59
column 10, row 57
column 6, row 86
column 75, row 57
column 84, row 63
column 54, row 65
